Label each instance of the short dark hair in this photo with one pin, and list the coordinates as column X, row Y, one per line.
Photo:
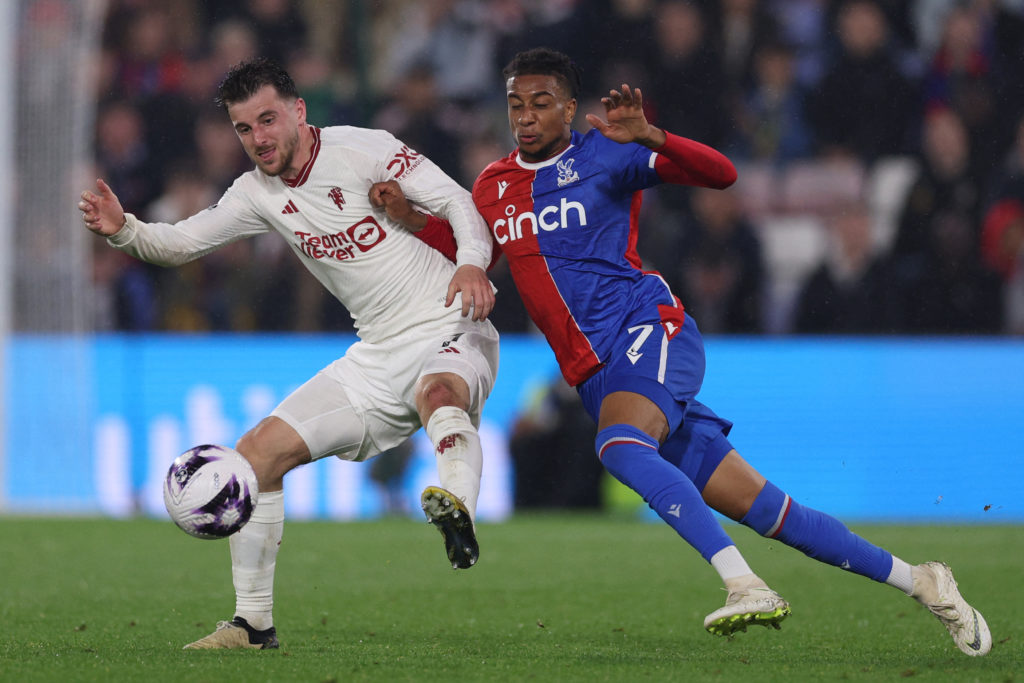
column 543, row 61
column 244, row 79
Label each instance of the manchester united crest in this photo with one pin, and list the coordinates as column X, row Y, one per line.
column 337, row 197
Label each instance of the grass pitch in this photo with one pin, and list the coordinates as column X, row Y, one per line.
column 554, row 598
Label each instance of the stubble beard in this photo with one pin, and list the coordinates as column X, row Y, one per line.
column 286, row 154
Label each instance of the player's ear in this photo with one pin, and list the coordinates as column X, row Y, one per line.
column 570, row 110
column 300, row 110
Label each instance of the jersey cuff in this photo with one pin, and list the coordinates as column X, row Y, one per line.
column 126, row 234
column 471, row 257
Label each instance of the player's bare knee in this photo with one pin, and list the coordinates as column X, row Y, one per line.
column 271, row 452
column 435, row 391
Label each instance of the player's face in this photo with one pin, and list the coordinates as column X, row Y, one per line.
column 269, row 127
column 540, row 114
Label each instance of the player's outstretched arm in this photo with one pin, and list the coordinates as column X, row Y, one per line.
column 626, row 121
column 102, row 210
column 681, row 161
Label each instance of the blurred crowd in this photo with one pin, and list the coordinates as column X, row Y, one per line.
column 880, row 145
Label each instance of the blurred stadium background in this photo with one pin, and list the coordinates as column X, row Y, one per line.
column 861, row 287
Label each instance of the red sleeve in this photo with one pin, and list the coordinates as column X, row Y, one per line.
column 687, row 162
column 438, row 234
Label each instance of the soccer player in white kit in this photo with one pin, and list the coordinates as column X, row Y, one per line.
column 421, row 358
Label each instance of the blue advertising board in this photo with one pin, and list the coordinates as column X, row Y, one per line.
column 867, row 429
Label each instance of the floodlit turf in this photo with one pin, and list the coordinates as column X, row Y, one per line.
column 553, row 598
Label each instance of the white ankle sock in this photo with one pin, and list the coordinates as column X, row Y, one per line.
column 730, row 564
column 253, row 557
column 900, row 576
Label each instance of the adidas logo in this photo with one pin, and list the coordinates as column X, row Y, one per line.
column 290, row 207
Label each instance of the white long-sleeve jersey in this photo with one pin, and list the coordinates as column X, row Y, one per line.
column 388, row 279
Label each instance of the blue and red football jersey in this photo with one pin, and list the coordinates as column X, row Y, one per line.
column 568, row 227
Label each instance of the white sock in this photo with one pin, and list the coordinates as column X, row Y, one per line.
column 253, row 557
column 900, row 576
column 730, row 565
column 460, row 459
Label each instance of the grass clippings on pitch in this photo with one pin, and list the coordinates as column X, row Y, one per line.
column 554, row 598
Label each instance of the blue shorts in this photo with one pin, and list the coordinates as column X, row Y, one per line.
column 669, row 372
column 698, row 445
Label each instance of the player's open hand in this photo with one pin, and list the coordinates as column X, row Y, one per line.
column 388, row 195
column 626, row 121
column 101, row 212
column 477, row 293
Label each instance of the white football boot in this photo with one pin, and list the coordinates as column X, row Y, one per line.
column 745, row 607
column 935, row 588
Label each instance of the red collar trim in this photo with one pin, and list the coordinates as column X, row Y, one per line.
column 307, row 168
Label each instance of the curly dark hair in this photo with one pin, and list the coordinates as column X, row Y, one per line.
column 543, row 61
column 245, row 78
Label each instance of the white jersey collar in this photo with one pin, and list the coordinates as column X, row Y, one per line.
column 542, row 164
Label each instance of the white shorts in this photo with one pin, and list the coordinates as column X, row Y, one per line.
column 363, row 403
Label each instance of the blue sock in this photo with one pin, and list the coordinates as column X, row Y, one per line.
column 823, row 537
column 632, row 457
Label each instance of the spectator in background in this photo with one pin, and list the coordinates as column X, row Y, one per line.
column 209, row 294
column 453, row 36
column 1007, row 34
column 741, row 28
column 325, row 99
column 232, row 41
column 1001, row 25
column 804, row 25
column 947, row 182
column 123, row 294
column 218, row 154
column 1002, row 245
column 569, row 25
column 770, row 124
column 148, row 59
column 960, row 78
column 124, row 156
column 279, row 26
column 416, row 115
column 687, row 94
column 721, row 275
column 1008, row 178
column 152, row 72
column 613, row 22
column 940, row 283
column 849, row 292
column 864, row 106
column 186, row 192
column 945, row 289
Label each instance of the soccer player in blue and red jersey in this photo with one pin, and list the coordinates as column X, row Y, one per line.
column 563, row 208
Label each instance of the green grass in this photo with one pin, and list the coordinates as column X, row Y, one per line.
column 554, row 598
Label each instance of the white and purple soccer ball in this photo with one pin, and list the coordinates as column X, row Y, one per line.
column 210, row 491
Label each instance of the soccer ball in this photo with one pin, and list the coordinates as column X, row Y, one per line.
column 210, row 491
